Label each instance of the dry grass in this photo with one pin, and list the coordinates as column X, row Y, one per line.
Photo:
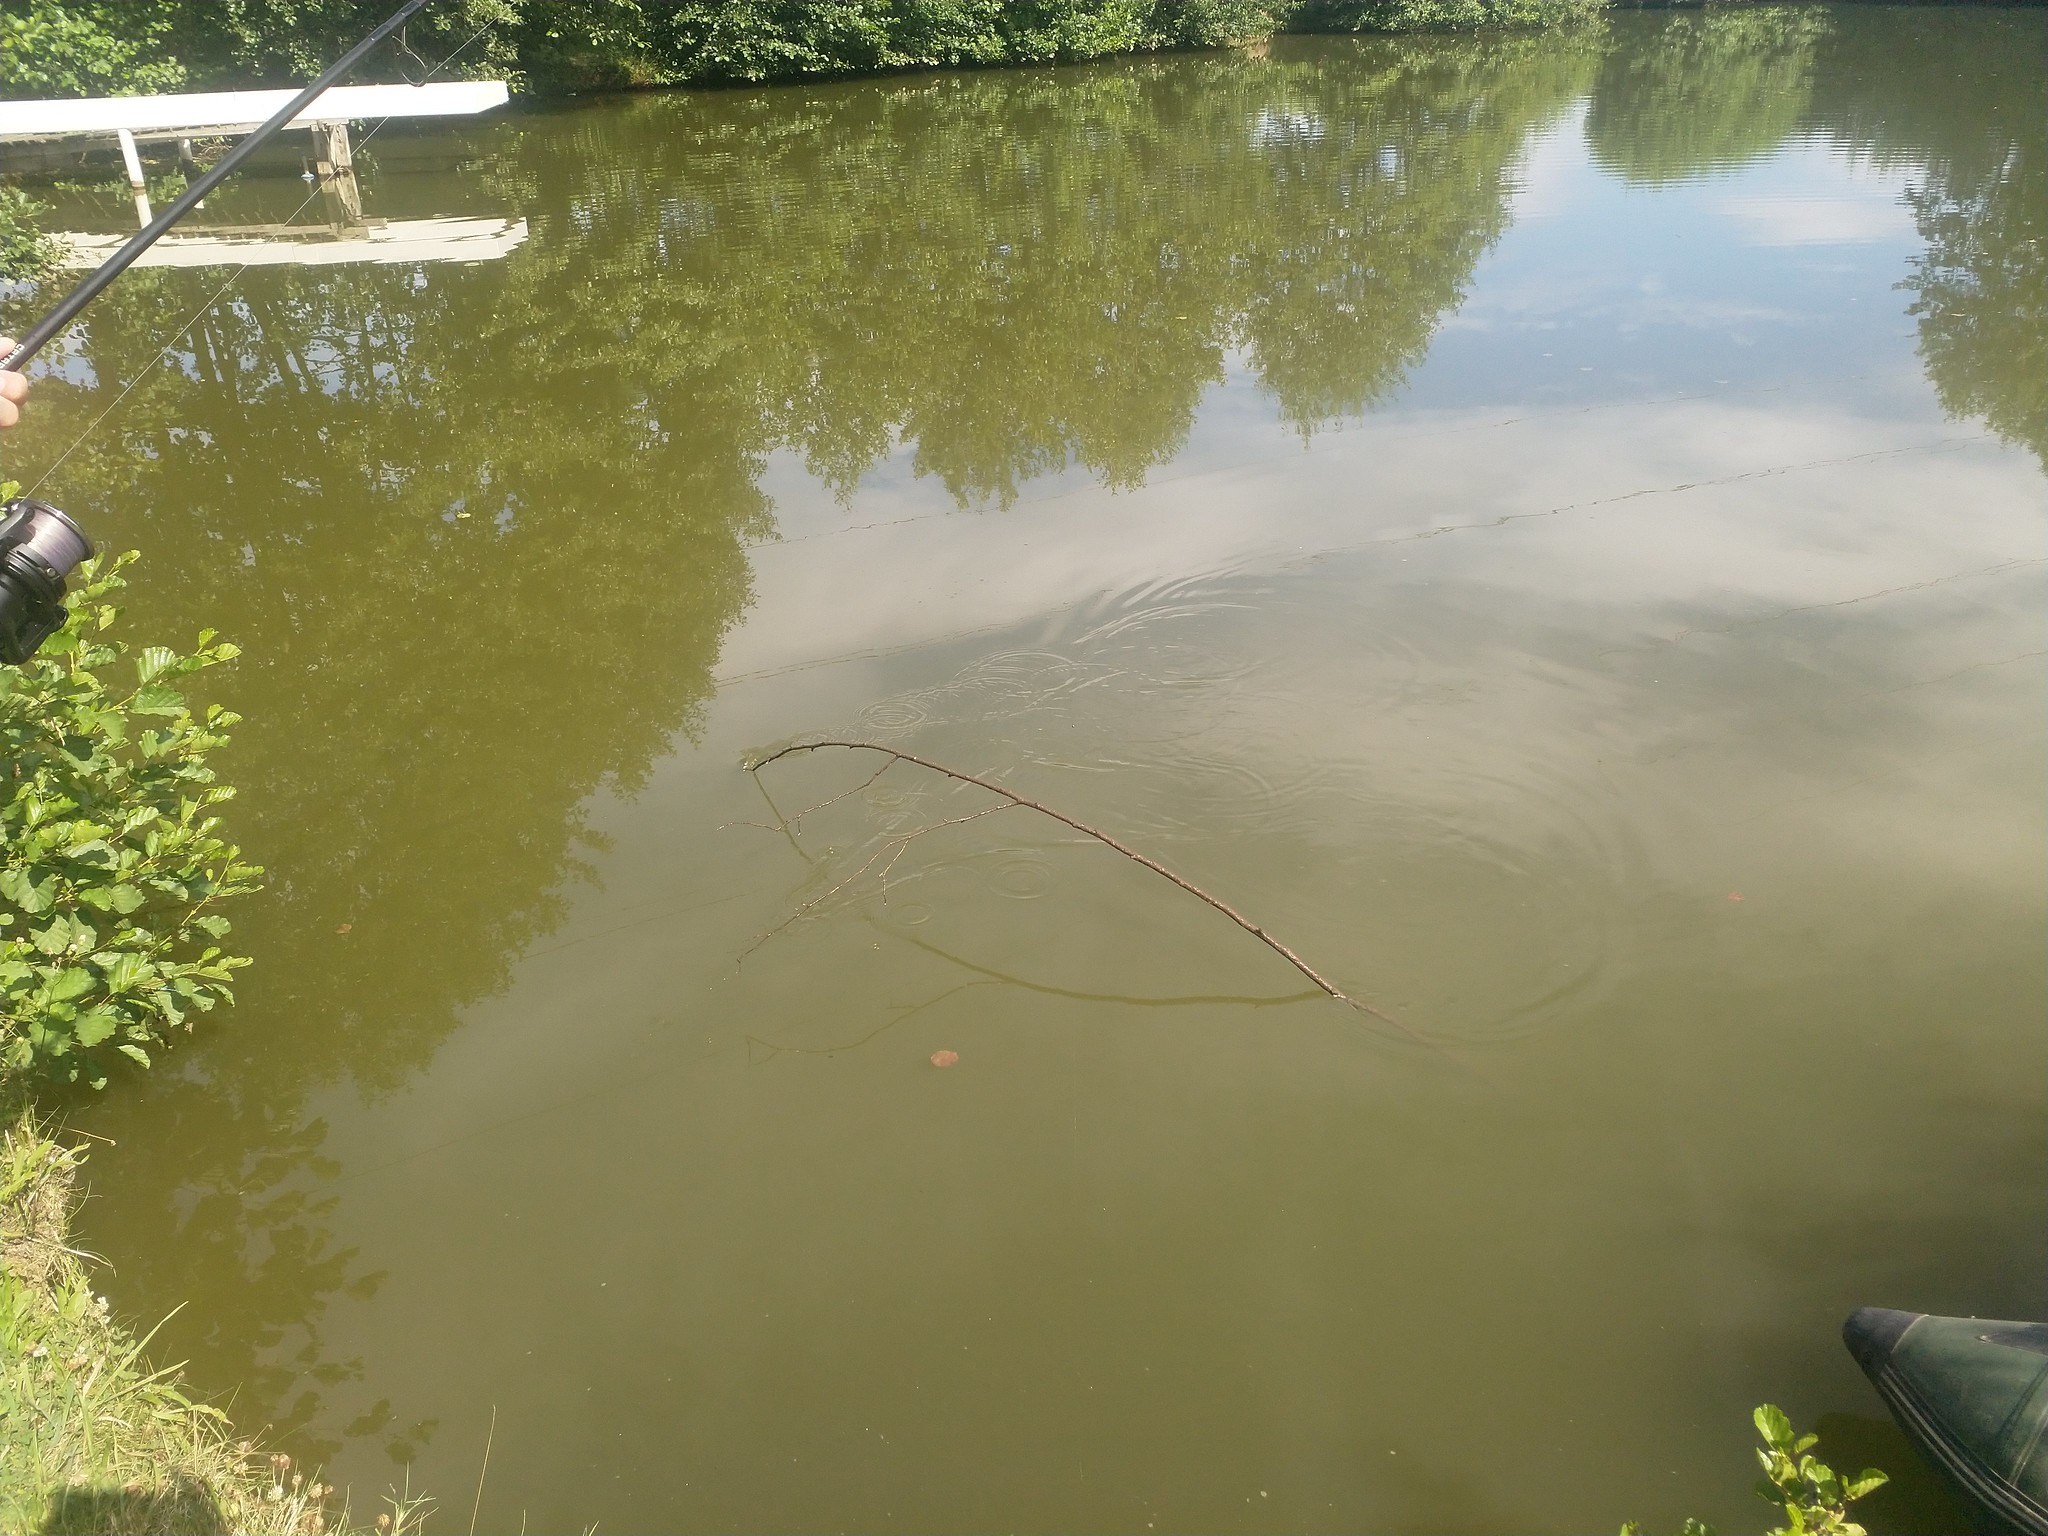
column 91, row 1438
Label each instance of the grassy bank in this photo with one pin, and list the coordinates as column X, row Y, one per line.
column 94, row 1439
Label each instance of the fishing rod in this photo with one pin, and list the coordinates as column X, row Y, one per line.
column 41, row 546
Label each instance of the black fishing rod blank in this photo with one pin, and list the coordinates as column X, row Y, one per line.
column 39, row 545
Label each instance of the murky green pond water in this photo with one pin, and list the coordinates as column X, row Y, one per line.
column 1551, row 527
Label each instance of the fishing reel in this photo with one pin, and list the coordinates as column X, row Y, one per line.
column 39, row 548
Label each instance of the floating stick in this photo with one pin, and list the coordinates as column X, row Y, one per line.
column 1322, row 983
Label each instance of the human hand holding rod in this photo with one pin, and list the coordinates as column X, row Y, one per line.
column 13, row 388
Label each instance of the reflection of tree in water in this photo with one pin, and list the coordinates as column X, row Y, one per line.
column 1956, row 97
column 482, row 529
column 1981, row 287
column 1688, row 93
column 472, row 594
column 1015, row 272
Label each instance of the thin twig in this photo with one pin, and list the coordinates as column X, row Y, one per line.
column 1012, row 797
column 483, row 1471
column 899, row 843
column 795, row 824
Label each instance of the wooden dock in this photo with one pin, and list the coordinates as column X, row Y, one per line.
column 230, row 114
column 130, row 120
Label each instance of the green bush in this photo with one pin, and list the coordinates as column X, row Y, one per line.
column 27, row 253
column 1813, row 1497
column 112, row 870
column 48, row 48
column 89, row 47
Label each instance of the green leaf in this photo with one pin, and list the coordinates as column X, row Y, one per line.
column 127, row 970
column 217, row 927
column 157, row 699
column 32, row 897
column 1772, row 1424
column 97, row 1026
column 1865, row 1483
column 154, row 658
column 70, row 984
column 134, row 1053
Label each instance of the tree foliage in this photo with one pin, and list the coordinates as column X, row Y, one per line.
column 27, row 253
column 89, row 46
column 85, row 48
column 112, row 869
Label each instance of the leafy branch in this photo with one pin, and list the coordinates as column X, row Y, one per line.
column 112, row 868
column 1814, row 1497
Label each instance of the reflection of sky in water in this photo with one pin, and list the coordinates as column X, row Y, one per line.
column 1618, row 341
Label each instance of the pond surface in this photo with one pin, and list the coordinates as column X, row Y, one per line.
column 1550, row 527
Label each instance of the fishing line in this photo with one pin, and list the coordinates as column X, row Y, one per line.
column 164, row 353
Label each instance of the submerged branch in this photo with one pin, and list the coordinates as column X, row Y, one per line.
column 1011, row 797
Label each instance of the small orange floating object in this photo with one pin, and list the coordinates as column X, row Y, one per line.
column 344, row 928
column 1735, row 895
column 944, row 1058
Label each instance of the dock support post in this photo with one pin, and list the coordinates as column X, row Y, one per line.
column 334, row 163
column 130, row 158
column 332, row 155
column 136, row 184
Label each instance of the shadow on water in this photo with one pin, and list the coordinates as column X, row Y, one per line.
column 186, row 1509
column 1916, row 1499
column 483, row 531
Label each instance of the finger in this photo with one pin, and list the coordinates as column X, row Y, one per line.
column 13, row 387
column 10, row 413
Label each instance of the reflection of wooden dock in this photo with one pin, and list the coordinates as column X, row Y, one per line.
column 316, row 245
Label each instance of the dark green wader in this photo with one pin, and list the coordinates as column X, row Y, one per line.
column 1973, row 1396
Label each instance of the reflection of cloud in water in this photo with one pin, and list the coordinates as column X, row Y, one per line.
column 1705, row 501
column 1807, row 220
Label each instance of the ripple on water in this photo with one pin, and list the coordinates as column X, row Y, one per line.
column 907, row 914
column 1021, row 876
column 1358, row 798
column 1490, row 907
column 892, row 717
